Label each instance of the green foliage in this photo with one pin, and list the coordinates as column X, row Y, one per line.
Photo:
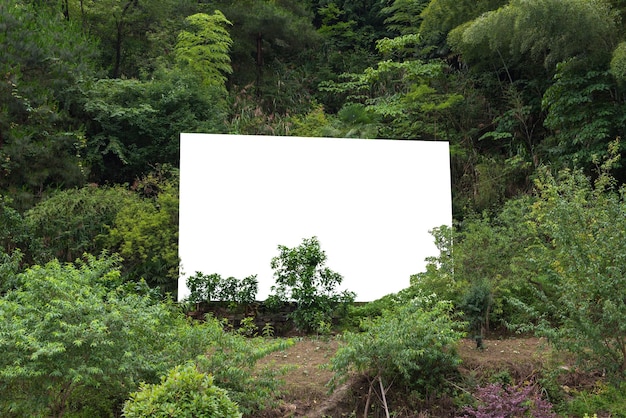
column 478, row 266
column 247, row 327
column 403, row 16
column 267, row 36
column 580, row 235
column 71, row 331
column 13, row 230
column 184, row 392
column 204, row 47
column 268, row 330
column 608, row 399
column 45, row 65
column 69, row 223
column 130, row 33
column 301, row 276
column 212, row 287
column 618, row 63
column 525, row 30
column 135, row 125
column 145, row 233
column 312, row 124
column 476, row 305
column 403, row 95
column 76, row 340
column 584, row 113
column 232, row 361
column 412, row 346
column 441, row 16
column 9, row 267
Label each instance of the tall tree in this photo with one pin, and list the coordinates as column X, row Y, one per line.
column 130, row 30
column 541, row 32
column 46, row 65
column 203, row 47
column 441, row 16
column 267, row 36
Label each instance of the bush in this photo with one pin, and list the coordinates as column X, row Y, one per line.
column 413, row 346
column 578, row 262
column 183, row 393
column 494, row 400
column 145, row 232
column 76, row 339
column 212, row 287
column 301, row 276
column 67, row 224
column 72, row 335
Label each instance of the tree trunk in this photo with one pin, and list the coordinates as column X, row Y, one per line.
column 384, row 398
column 259, row 62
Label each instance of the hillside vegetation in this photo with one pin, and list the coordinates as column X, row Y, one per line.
column 530, row 95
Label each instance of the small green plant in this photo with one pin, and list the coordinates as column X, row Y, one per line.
column 607, row 398
column 185, row 393
column 268, row 330
column 324, row 328
column 248, row 327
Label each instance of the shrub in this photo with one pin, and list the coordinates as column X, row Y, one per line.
column 72, row 335
column 75, row 339
column 301, row 276
column 145, row 232
column 494, row 400
column 67, row 224
column 183, row 393
column 578, row 262
column 413, row 346
column 210, row 287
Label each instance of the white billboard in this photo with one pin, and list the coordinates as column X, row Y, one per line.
column 369, row 202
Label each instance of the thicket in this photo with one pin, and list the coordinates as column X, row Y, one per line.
column 411, row 348
column 77, row 340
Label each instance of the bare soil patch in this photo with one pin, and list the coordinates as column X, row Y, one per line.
column 305, row 392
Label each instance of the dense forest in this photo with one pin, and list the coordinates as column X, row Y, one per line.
column 530, row 95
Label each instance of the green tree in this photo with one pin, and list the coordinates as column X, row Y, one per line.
column 184, row 393
column 524, row 32
column 204, row 47
column 442, row 16
column 131, row 32
column 135, row 125
column 267, row 37
column 13, row 230
column 584, row 112
column 479, row 266
column 404, row 16
column 45, row 66
column 408, row 96
column 301, row 276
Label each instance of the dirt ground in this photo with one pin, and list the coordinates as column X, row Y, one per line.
column 305, row 393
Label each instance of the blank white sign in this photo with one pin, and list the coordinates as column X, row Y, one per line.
column 370, row 203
